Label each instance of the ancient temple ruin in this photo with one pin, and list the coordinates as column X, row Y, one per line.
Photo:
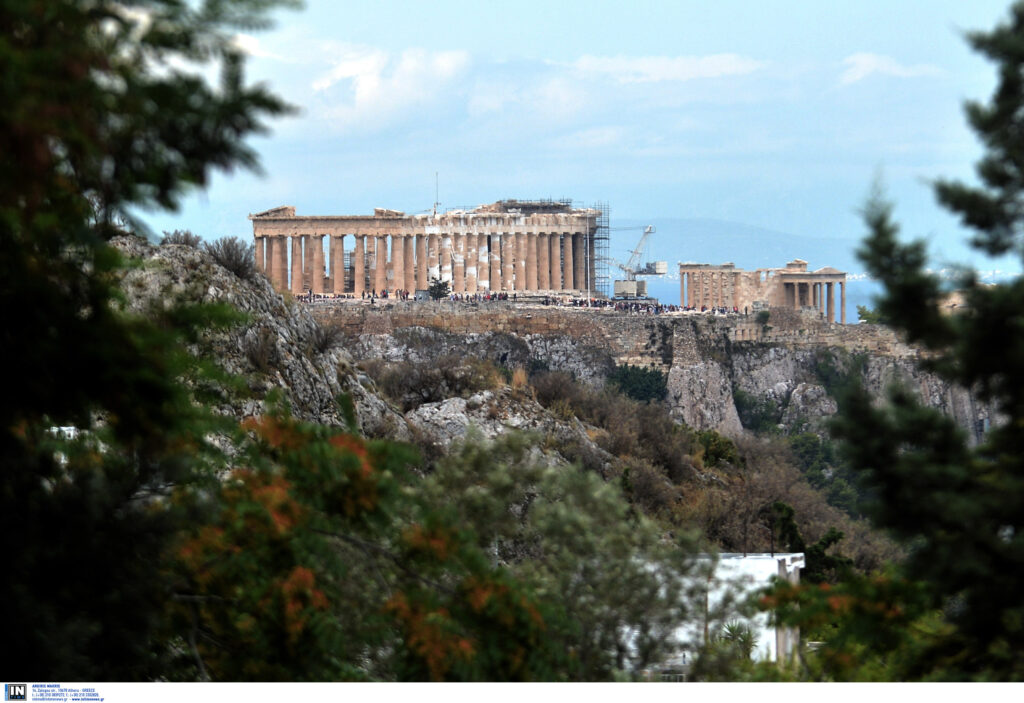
column 537, row 246
column 725, row 286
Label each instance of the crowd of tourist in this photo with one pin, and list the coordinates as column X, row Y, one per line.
column 632, row 307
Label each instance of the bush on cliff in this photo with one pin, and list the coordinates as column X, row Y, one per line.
column 638, row 383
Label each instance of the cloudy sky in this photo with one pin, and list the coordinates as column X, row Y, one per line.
column 773, row 114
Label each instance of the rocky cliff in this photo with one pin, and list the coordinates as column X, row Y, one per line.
column 782, row 370
column 277, row 347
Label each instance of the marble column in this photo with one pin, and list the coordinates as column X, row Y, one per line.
column 472, row 261
column 446, row 258
column 830, row 294
column 433, row 258
column 282, row 261
column 459, row 263
column 422, row 282
column 842, row 302
column 260, row 253
column 483, row 264
column 410, row 264
column 568, row 271
column 296, row 282
column 317, row 277
column 380, row 263
column 272, row 272
column 507, row 261
column 555, row 259
column 338, row 264
column 543, row 262
column 398, row 256
column 578, row 274
column 359, row 267
column 531, row 261
column 520, row 273
column 494, row 245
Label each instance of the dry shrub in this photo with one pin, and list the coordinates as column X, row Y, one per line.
column 649, row 489
column 411, row 384
column 324, row 338
column 519, row 378
column 260, row 347
column 235, row 255
column 183, row 237
column 735, row 511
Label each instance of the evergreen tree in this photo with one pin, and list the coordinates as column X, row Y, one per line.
column 954, row 609
column 94, row 120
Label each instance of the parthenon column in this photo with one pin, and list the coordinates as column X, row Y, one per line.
column 543, row 263
column 317, row 278
column 494, row 246
column 531, row 261
column 307, row 263
column 380, row 263
column 830, row 294
column 421, row 262
column 472, row 261
column 359, row 267
column 398, row 256
column 338, row 264
column 433, row 258
column 483, row 264
column 260, row 253
column 446, row 257
column 410, row 265
column 507, row 260
column 520, row 276
column 578, row 275
column 296, row 284
column 555, row 259
column 281, row 251
column 459, row 263
column 567, row 267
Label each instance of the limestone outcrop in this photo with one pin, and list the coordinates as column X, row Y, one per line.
column 276, row 347
column 789, row 374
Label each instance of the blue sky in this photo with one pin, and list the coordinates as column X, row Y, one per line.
column 771, row 114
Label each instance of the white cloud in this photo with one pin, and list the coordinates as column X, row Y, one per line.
column 370, row 86
column 860, row 66
column 654, row 69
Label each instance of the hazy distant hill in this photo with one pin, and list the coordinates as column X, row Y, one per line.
column 717, row 241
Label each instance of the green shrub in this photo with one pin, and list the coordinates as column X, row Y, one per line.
column 638, row 383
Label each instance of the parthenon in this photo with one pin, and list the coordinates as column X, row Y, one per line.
column 705, row 285
column 536, row 246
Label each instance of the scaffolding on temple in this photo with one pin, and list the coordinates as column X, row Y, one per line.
column 599, row 268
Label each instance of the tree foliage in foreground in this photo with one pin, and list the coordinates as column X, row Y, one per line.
column 953, row 609
column 94, row 122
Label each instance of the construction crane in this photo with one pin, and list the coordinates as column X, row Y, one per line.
column 631, row 287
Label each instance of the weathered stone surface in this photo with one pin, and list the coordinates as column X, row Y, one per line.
column 494, row 413
column 701, row 396
column 311, row 380
column 704, row 356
